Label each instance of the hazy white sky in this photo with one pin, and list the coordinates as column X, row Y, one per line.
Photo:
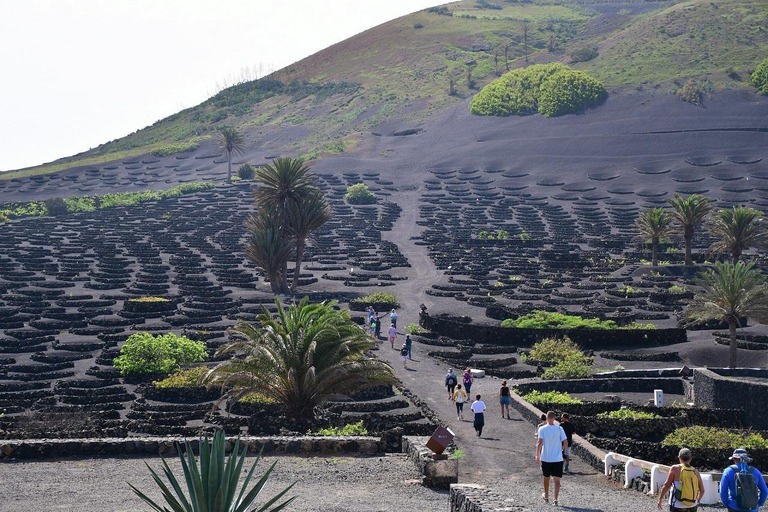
column 77, row 73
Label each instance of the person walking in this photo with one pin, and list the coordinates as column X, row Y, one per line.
column 549, row 453
column 392, row 333
column 542, row 422
column 504, row 398
column 467, row 380
column 450, row 382
column 404, row 355
column 377, row 331
column 686, row 484
column 742, row 487
column 478, row 407
column 460, row 397
column 569, row 429
column 393, row 317
column 408, row 344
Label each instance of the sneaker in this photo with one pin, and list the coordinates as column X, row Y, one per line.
column 544, row 497
column 458, row 417
column 554, row 503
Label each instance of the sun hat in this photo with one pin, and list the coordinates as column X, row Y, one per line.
column 740, row 453
column 685, row 454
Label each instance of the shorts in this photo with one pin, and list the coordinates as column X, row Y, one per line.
column 673, row 508
column 554, row 469
column 459, row 407
column 505, row 400
column 391, row 339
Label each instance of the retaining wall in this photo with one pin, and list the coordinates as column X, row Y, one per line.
column 724, row 390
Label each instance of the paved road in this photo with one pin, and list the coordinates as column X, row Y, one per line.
column 504, row 455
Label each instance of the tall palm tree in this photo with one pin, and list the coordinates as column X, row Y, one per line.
column 285, row 181
column 689, row 213
column 654, row 224
column 729, row 292
column 269, row 246
column 232, row 143
column 304, row 355
column 302, row 220
column 738, row 229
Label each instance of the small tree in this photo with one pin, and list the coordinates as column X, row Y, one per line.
column 56, row 206
column 359, row 193
column 654, row 224
column 246, row 172
column 232, row 143
column 759, row 78
column 690, row 213
column 729, row 293
column 738, row 229
column 526, row 48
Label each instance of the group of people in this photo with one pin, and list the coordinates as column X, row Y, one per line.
column 374, row 326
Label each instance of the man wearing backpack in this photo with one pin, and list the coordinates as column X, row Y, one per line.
column 450, row 382
column 742, row 488
column 686, row 484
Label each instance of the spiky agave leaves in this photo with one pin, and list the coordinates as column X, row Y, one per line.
column 213, row 487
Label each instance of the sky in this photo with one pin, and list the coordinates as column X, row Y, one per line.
column 78, row 73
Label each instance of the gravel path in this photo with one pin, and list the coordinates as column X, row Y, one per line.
column 340, row 484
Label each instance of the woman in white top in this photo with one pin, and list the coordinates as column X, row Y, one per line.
column 478, row 407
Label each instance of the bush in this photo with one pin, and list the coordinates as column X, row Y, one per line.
column 574, row 366
column 145, row 353
column 3, row 218
column 80, row 204
column 379, row 300
column 551, row 89
column 759, row 78
column 570, row 91
column 583, row 55
column 690, row 92
column 548, row 320
column 149, row 299
column 183, row 379
column 553, row 350
column 550, row 397
column 257, row 398
column 359, row 193
column 628, row 414
column 416, row 329
column 246, row 172
column 711, row 437
column 56, row 206
column 351, row 429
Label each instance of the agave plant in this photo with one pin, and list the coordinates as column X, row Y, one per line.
column 213, row 487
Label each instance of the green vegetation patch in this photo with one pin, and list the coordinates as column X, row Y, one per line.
column 628, row 414
column 550, row 397
column 183, row 379
column 711, row 437
column 145, row 353
column 553, row 350
column 573, row 366
column 359, row 193
column 550, row 89
column 149, row 299
column 759, row 78
column 380, row 300
column 351, row 429
column 549, row 320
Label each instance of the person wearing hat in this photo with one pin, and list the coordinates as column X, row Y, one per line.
column 741, row 468
column 686, row 484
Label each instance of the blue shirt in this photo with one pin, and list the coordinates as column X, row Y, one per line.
column 728, row 488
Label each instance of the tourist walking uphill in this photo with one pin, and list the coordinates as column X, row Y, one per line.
column 549, row 453
column 460, row 397
column 450, row 382
column 569, row 429
column 686, row 484
column 467, row 380
column 408, row 345
column 392, row 333
column 742, row 487
column 504, row 398
column 393, row 318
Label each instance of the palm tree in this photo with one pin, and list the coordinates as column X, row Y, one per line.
column 304, row 356
column 232, row 142
column 269, row 246
column 738, row 229
column 284, row 182
column 302, row 220
column 689, row 212
column 653, row 225
column 729, row 293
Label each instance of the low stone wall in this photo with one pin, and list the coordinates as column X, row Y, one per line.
column 605, row 385
column 477, row 498
column 458, row 328
column 724, row 390
column 42, row 448
column 436, row 473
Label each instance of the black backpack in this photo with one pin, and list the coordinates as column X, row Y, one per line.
column 451, row 380
column 746, row 489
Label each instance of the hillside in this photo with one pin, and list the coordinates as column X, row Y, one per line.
column 329, row 102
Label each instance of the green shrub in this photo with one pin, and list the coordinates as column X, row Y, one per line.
column 246, row 172
column 458, row 454
column 80, row 204
column 359, row 193
column 176, row 147
column 551, row 89
column 4, row 217
column 56, row 206
column 550, row 397
column 416, row 329
column 145, row 353
column 257, row 398
column 628, row 414
column 148, row 299
column 553, row 350
column 183, row 379
column 379, row 300
column 584, row 54
column 759, row 78
column 351, row 429
column 711, row 437
column 548, row 320
column 570, row 91
column 690, row 92
column 574, row 366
